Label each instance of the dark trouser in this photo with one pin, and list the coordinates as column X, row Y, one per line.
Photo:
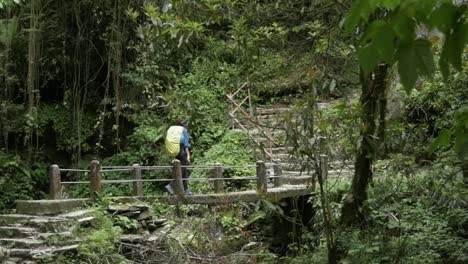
column 185, row 171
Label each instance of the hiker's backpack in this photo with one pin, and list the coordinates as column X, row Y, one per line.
column 173, row 140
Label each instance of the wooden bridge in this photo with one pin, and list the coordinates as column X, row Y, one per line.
column 270, row 184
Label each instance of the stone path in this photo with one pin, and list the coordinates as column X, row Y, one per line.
column 27, row 238
column 269, row 117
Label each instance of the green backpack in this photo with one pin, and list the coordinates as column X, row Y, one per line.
column 173, row 139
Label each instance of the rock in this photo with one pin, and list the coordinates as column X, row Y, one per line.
column 122, row 208
column 48, row 207
column 16, row 231
column 133, row 239
column 144, row 215
column 131, row 214
column 20, row 253
column 78, row 214
column 21, row 242
column 250, row 246
column 4, row 253
column 50, row 251
column 159, row 222
column 87, row 221
column 151, row 227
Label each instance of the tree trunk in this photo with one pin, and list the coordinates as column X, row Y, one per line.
column 382, row 106
column 373, row 84
column 32, row 92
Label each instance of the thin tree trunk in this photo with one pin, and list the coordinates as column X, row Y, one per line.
column 382, row 147
column 353, row 212
column 32, row 92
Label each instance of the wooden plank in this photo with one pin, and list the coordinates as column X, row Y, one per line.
column 273, row 194
column 239, row 89
column 240, row 104
column 250, row 119
column 59, row 206
column 252, row 137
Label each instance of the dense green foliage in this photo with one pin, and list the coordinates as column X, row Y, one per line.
column 83, row 80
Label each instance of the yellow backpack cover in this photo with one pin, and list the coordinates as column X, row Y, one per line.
column 172, row 142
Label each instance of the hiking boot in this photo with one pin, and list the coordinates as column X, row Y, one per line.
column 188, row 192
column 169, row 189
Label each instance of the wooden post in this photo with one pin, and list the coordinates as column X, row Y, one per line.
column 324, row 167
column 55, row 185
column 177, row 184
column 278, row 171
column 137, row 186
column 261, row 178
column 218, row 183
column 95, row 178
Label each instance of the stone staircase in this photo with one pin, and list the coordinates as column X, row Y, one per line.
column 28, row 238
column 266, row 131
column 268, row 118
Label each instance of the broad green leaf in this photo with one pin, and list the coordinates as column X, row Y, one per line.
column 442, row 141
column 453, row 48
column 423, row 57
column 420, row 9
column 403, row 26
column 385, row 42
column 390, row 4
column 443, row 18
column 414, row 59
column 406, row 66
column 368, row 57
column 359, row 10
column 461, row 144
column 255, row 217
column 377, row 45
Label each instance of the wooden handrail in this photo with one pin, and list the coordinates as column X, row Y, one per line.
column 95, row 180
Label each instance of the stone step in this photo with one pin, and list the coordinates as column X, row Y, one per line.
column 54, row 237
column 282, row 150
column 78, row 214
column 49, row 207
column 15, row 260
column 285, row 158
column 24, row 254
column 15, row 218
column 17, row 231
column 293, row 166
column 340, row 173
column 41, row 223
column 21, row 243
column 272, row 110
column 51, row 225
column 297, row 180
column 296, row 173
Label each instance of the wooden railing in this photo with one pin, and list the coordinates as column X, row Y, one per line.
column 237, row 101
column 95, row 180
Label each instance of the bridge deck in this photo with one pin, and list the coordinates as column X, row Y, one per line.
column 45, row 207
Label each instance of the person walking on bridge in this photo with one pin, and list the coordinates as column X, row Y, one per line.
column 178, row 147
